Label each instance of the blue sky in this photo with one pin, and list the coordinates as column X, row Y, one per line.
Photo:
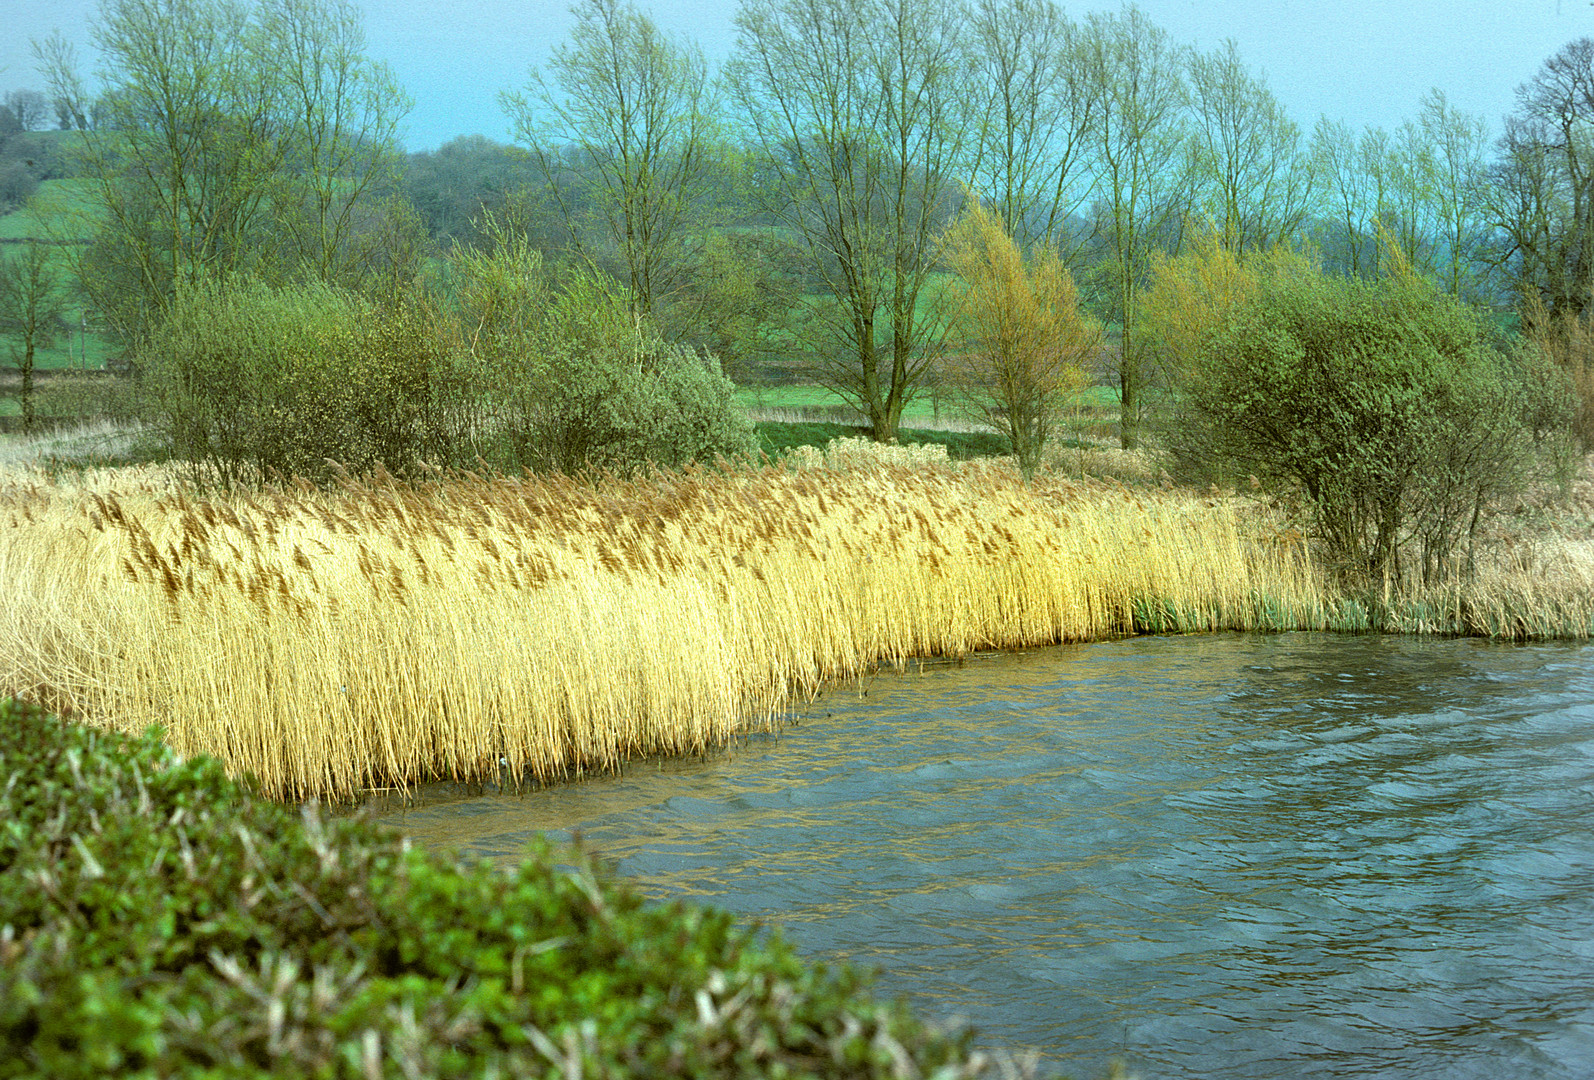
column 1367, row 62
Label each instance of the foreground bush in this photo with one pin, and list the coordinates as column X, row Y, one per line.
column 156, row 920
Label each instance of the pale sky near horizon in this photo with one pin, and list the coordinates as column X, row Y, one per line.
column 1367, row 62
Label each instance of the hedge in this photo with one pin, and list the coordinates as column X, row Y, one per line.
column 159, row 920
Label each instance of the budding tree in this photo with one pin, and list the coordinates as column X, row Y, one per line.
column 1029, row 162
column 638, row 110
column 1019, row 347
column 1253, row 180
column 31, row 305
column 1140, row 144
column 862, row 108
column 227, row 137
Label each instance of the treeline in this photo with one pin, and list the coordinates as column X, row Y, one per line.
column 829, row 155
column 795, row 202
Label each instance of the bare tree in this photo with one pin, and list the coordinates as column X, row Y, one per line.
column 187, row 159
column 227, row 138
column 1526, row 204
column 1254, row 181
column 1407, row 209
column 57, row 58
column 340, row 113
column 1424, row 185
column 641, row 111
column 1140, row 144
column 1373, row 157
column 862, row 108
column 1454, row 145
column 1543, row 196
column 31, row 306
column 1031, row 156
column 1343, row 192
column 28, row 108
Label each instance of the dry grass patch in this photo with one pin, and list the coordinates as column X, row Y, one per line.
column 384, row 633
column 1536, row 568
column 102, row 439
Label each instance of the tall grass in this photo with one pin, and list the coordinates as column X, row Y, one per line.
column 387, row 633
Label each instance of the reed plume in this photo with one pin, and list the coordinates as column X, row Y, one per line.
column 384, row 633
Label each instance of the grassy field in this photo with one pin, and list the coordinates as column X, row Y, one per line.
column 68, row 394
column 61, row 210
column 79, row 349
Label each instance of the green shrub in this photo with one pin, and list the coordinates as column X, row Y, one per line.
column 157, row 920
column 573, row 380
column 1386, row 406
column 85, row 396
column 247, row 378
column 620, row 408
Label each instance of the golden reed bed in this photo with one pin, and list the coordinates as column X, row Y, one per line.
column 387, row 634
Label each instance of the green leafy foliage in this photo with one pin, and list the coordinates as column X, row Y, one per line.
column 645, row 402
column 1386, row 406
column 574, row 380
column 248, row 378
column 1020, row 343
column 156, row 919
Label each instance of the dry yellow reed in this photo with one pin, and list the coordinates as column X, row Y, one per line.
column 330, row 641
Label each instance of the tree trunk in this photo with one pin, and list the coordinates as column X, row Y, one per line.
column 1129, row 405
column 27, row 387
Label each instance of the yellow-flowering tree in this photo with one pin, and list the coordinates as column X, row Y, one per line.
column 1191, row 293
column 1188, row 296
column 1019, row 344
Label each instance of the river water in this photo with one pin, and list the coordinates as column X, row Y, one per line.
column 1216, row 856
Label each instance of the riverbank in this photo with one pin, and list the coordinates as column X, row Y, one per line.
column 386, row 634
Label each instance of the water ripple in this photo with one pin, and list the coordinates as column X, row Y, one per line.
column 1294, row 856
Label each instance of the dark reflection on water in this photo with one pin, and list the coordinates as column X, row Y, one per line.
column 1212, row 856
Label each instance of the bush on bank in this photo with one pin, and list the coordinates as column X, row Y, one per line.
column 1386, row 406
column 571, row 378
column 502, row 365
column 245, row 378
column 157, row 920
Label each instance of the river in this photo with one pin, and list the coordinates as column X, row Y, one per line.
column 1215, row 856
